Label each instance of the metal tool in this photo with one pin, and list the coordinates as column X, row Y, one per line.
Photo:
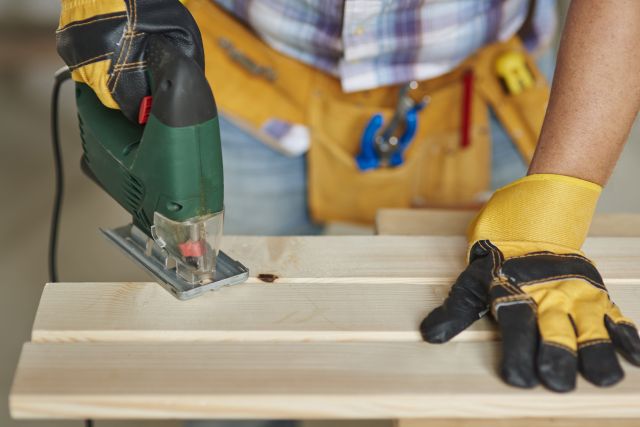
column 167, row 173
column 384, row 148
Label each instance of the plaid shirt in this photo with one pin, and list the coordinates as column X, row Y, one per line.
column 372, row 43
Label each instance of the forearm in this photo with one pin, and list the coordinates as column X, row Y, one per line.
column 595, row 95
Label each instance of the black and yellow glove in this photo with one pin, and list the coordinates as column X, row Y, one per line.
column 103, row 43
column 551, row 305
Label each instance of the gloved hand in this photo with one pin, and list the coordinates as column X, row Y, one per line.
column 552, row 308
column 103, row 43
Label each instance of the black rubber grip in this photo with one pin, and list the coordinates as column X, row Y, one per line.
column 181, row 93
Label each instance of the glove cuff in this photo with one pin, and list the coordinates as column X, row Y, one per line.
column 542, row 208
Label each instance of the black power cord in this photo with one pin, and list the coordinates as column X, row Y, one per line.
column 61, row 76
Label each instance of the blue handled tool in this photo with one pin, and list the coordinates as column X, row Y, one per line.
column 383, row 148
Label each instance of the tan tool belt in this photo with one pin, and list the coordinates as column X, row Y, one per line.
column 438, row 170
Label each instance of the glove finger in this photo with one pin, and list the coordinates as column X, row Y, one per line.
column 557, row 357
column 598, row 363
column 467, row 300
column 597, row 359
column 519, row 343
column 451, row 318
column 557, row 367
column 624, row 336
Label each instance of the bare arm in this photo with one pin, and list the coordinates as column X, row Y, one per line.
column 595, row 95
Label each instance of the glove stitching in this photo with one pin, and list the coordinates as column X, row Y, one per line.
column 128, row 41
column 511, row 300
column 561, row 346
column 131, row 65
column 124, row 40
column 505, row 282
column 517, row 295
column 493, row 259
column 625, row 322
column 118, row 61
column 87, row 61
column 486, row 245
column 96, row 19
column 136, row 68
column 490, row 244
column 593, row 342
column 564, row 276
column 498, row 278
column 534, row 254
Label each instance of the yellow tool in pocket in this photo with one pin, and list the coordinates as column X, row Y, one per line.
column 512, row 68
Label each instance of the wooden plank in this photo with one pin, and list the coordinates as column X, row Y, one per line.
column 355, row 290
column 443, row 222
column 519, row 422
column 320, row 257
column 136, row 312
column 291, row 381
column 397, row 259
column 323, row 299
column 423, row 222
column 71, row 312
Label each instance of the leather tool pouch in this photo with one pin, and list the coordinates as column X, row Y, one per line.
column 438, row 171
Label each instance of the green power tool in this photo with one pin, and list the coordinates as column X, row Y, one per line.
column 167, row 173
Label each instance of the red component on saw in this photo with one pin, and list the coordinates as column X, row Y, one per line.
column 192, row 249
column 145, row 109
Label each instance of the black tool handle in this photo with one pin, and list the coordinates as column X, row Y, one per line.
column 181, row 93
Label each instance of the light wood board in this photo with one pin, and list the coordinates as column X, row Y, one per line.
column 320, row 302
column 291, row 381
column 334, row 336
column 137, row 312
column 444, row 222
column 518, row 422
column 386, row 259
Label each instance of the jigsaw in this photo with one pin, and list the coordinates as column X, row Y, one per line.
column 166, row 171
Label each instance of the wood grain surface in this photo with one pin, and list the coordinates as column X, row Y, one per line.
column 291, row 380
column 386, row 259
column 73, row 312
column 444, row 222
column 340, row 294
column 333, row 336
column 518, row 422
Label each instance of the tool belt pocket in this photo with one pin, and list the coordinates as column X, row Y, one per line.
column 338, row 190
column 517, row 91
column 437, row 171
column 448, row 163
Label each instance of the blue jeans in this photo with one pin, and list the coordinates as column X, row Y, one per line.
column 266, row 192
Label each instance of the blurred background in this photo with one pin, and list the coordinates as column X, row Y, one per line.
column 28, row 61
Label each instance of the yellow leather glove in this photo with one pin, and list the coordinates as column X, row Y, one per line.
column 103, row 43
column 552, row 308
